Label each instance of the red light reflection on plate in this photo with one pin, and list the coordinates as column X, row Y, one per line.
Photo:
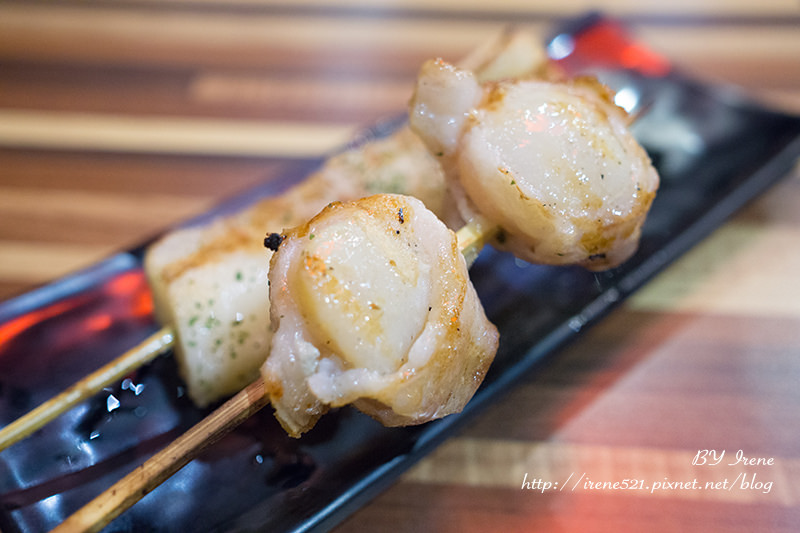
column 123, row 296
column 99, row 322
column 132, row 286
column 12, row 328
column 607, row 44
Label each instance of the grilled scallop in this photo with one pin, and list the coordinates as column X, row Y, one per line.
column 552, row 164
column 372, row 306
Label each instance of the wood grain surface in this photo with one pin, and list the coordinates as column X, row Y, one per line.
column 120, row 119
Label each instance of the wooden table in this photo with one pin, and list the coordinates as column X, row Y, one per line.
column 118, row 120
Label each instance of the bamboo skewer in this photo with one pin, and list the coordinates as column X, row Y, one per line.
column 473, row 237
column 119, row 497
column 130, row 489
column 146, row 351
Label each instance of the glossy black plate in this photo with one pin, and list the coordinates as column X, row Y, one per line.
column 715, row 151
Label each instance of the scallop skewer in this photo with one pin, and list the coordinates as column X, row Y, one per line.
column 555, row 155
column 373, row 167
column 411, row 256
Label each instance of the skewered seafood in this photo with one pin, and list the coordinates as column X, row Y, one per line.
column 552, row 164
column 208, row 281
column 372, row 305
column 202, row 260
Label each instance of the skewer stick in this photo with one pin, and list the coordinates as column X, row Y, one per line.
column 146, row 351
column 473, row 236
column 123, row 494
